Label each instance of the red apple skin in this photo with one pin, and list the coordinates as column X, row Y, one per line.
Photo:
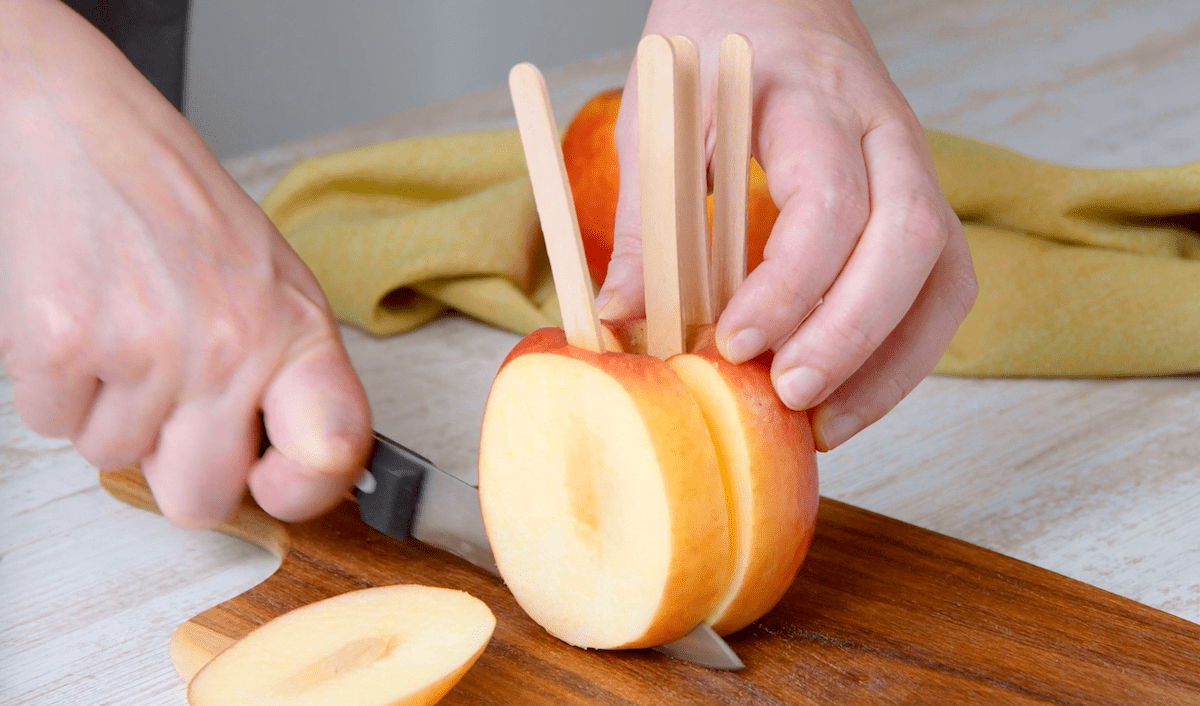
column 784, row 488
column 590, row 156
column 784, row 467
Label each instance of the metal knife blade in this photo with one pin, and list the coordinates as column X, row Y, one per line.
column 704, row 647
column 403, row 494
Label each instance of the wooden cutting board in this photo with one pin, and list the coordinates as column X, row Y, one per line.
column 881, row 613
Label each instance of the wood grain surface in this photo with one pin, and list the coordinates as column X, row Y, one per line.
column 882, row 613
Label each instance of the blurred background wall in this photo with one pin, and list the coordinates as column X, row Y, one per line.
column 263, row 72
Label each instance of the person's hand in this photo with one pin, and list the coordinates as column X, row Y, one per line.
column 149, row 311
column 866, row 275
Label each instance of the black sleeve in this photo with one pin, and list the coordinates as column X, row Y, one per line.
column 152, row 33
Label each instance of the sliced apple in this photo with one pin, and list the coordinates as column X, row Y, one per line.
column 768, row 463
column 403, row 645
column 769, row 467
column 602, row 495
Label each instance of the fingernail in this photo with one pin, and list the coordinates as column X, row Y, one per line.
column 799, row 387
column 745, row 344
column 838, row 430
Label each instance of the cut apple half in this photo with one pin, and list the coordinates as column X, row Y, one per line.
column 403, row 645
column 602, row 495
column 768, row 463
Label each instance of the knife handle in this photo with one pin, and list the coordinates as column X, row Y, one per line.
column 388, row 501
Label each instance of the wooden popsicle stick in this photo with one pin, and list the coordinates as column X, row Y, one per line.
column 731, row 167
column 555, row 206
column 656, row 169
column 691, row 187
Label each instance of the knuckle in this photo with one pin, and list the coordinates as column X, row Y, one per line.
column 781, row 282
column 892, row 392
column 147, row 344
column 259, row 326
column 959, row 283
column 111, row 439
column 853, row 342
column 627, row 247
column 923, row 222
column 853, row 206
column 783, row 295
column 225, row 342
column 966, row 289
column 310, row 316
column 65, row 333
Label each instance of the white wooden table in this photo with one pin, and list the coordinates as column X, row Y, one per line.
column 1097, row 480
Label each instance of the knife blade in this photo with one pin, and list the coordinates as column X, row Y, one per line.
column 403, row 494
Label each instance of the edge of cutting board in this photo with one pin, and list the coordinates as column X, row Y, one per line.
column 881, row 613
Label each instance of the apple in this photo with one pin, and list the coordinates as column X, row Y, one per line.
column 403, row 645
column 769, row 466
column 590, row 156
column 601, row 472
column 602, row 495
column 629, row 498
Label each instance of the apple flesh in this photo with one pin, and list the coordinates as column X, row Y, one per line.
column 602, row 495
column 598, row 493
column 769, row 467
column 403, row 645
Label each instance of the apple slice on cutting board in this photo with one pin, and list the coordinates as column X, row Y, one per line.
column 403, row 645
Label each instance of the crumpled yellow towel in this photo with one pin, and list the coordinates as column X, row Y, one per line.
column 397, row 233
column 1083, row 272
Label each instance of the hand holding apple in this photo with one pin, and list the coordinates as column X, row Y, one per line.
column 629, row 497
column 863, row 231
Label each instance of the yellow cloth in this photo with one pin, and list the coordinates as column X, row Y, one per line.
column 1082, row 272
column 398, row 232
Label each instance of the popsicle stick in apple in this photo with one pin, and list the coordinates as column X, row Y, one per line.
column 765, row 450
column 632, row 490
column 599, row 484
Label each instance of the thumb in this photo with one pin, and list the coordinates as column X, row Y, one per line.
column 319, row 423
column 621, row 295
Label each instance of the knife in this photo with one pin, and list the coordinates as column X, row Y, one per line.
column 403, row 494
